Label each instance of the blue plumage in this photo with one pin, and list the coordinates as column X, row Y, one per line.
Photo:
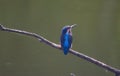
column 66, row 38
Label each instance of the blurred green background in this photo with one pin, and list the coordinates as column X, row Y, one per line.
column 97, row 35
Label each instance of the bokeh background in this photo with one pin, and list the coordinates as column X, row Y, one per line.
column 97, row 35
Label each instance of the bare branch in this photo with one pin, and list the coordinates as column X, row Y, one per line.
column 72, row 74
column 57, row 46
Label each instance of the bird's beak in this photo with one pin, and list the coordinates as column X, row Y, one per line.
column 73, row 25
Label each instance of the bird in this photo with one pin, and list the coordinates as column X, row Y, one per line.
column 66, row 38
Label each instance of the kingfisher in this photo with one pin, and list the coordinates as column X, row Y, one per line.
column 66, row 38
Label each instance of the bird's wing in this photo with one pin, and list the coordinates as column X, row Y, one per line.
column 70, row 39
column 62, row 39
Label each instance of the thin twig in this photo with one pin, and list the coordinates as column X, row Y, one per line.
column 57, row 46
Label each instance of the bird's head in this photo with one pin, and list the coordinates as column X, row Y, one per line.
column 67, row 28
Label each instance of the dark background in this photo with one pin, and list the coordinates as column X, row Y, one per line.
column 97, row 35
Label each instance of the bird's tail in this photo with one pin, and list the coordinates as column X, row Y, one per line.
column 66, row 51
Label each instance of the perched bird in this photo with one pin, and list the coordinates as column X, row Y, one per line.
column 66, row 38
